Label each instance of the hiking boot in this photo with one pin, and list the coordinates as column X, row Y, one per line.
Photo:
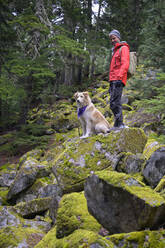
column 123, row 126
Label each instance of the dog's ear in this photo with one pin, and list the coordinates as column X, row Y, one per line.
column 76, row 95
column 86, row 94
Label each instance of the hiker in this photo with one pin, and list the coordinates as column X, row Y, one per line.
column 118, row 76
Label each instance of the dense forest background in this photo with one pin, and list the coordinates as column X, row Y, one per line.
column 50, row 48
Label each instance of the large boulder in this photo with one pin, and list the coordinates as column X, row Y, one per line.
column 80, row 157
column 122, row 204
column 30, row 170
column 40, row 189
column 154, row 169
column 140, row 118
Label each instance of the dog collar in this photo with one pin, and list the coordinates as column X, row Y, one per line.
column 81, row 111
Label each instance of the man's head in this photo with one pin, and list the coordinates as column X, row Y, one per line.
column 114, row 36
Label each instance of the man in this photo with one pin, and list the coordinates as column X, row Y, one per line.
column 118, row 76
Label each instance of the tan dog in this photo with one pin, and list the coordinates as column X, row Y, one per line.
column 92, row 120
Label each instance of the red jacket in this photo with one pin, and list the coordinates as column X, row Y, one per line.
column 120, row 63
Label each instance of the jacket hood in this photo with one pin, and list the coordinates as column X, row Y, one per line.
column 122, row 43
column 118, row 45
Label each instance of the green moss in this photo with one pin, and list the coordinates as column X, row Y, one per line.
column 79, row 157
column 78, row 239
column 144, row 239
column 77, row 160
column 161, row 185
column 7, row 168
column 35, row 153
column 151, row 146
column 127, row 107
column 3, row 195
column 73, row 214
column 127, row 158
column 138, row 177
column 127, row 140
column 133, row 186
column 12, row 237
column 32, row 207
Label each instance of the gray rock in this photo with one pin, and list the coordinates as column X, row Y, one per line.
column 8, row 218
column 122, row 204
column 26, row 176
column 7, row 178
column 98, row 152
column 154, row 169
column 32, row 208
column 146, row 238
column 30, row 170
column 130, row 163
column 54, row 204
column 38, row 190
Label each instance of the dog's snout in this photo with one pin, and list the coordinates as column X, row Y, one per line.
column 78, row 100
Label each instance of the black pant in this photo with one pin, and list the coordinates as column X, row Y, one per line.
column 115, row 90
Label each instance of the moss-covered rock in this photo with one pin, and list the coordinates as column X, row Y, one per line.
column 151, row 146
column 58, row 144
column 7, row 174
column 131, row 163
column 154, row 169
column 73, row 214
column 64, row 117
column 161, row 185
column 19, row 237
column 80, row 157
column 42, row 187
column 78, row 239
column 32, row 208
column 139, row 118
column 147, row 239
column 36, row 154
column 8, row 217
column 124, row 204
column 30, row 170
column 3, row 195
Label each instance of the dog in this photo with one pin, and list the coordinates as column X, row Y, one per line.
column 92, row 120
